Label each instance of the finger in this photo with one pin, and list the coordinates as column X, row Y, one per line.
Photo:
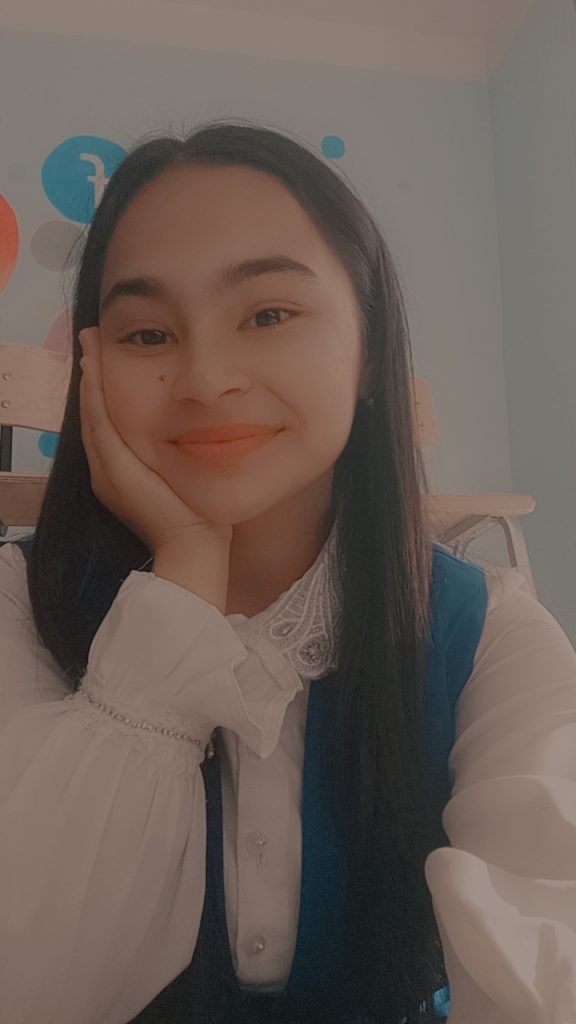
column 95, row 422
column 89, row 337
column 92, row 371
column 105, row 445
column 85, row 423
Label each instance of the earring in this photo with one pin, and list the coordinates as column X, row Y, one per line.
column 370, row 402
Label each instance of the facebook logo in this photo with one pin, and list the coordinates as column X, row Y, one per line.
column 75, row 174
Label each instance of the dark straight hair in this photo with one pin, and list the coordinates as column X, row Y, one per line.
column 81, row 549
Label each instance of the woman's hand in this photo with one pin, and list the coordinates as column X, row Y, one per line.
column 136, row 494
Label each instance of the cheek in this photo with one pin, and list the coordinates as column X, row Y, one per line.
column 130, row 405
column 328, row 413
column 330, row 391
column 324, row 369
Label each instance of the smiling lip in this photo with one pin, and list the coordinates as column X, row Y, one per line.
column 227, row 432
column 224, row 452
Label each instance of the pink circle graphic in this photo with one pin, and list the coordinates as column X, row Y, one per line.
column 59, row 337
column 9, row 241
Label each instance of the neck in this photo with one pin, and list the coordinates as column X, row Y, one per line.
column 270, row 553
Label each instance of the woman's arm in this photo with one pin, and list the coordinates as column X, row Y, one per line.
column 505, row 893
column 102, row 825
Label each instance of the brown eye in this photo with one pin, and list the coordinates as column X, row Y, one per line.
column 142, row 334
column 267, row 310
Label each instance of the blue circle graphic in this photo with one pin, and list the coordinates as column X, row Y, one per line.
column 75, row 174
column 333, row 146
column 48, row 443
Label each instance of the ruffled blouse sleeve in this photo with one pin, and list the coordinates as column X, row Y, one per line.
column 102, row 823
column 505, row 891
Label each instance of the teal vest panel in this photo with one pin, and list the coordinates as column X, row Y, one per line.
column 459, row 602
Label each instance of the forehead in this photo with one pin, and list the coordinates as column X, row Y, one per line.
column 213, row 214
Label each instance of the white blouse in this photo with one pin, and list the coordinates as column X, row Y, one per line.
column 103, row 828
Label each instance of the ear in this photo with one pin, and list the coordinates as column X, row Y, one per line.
column 365, row 385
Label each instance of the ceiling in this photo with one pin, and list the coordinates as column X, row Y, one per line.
column 479, row 19
column 444, row 38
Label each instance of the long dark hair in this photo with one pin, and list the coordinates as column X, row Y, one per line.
column 379, row 485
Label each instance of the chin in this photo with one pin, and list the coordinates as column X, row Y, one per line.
column 227, row 512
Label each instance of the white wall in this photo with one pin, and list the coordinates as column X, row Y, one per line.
column 533, row 104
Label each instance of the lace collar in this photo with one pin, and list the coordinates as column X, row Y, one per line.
column 303, row 623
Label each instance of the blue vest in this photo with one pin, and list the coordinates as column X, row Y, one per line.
column 458, row 604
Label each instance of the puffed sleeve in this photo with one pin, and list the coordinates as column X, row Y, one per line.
column 504, row 893
column 102, row 823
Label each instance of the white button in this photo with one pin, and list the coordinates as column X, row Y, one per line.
column 255, row 944
column 256, row 843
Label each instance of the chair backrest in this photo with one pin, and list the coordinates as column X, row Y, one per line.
column 33, row 386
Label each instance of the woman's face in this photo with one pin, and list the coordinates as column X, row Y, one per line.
column 224, row 359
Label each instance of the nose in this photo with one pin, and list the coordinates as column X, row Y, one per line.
column 205, row 371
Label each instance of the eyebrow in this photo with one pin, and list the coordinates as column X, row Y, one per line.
column 150, row 287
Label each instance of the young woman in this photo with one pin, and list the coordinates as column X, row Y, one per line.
column 267, row 751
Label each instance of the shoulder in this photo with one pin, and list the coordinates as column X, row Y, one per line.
column 494, row 604
column 458, row 593
column 517, row 619
column 448, row 569
column 502, row 585
column 498, row 592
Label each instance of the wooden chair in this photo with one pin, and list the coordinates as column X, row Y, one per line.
column 458, row 519
column 33, row 388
